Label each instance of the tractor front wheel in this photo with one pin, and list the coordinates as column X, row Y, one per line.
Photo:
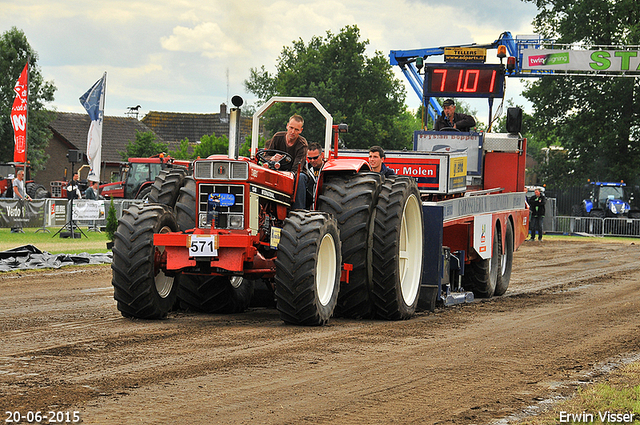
column 141, row 287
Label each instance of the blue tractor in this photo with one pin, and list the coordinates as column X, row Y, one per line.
column 605, row 199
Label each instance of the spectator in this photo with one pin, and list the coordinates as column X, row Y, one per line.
column 19, row 193
column 376, row 161
column 536, row 205
column 92, row 191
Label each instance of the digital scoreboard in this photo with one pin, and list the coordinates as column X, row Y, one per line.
column 473, row 80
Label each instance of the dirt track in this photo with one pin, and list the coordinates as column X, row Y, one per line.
column 570, row 306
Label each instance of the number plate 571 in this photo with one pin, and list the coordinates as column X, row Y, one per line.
column 203, row 246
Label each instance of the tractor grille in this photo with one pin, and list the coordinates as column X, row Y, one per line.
column 56, row 189
column 225, row 212
column 224, row 170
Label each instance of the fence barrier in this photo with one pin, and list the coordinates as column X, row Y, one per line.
column 597, row 226
column 53, row 212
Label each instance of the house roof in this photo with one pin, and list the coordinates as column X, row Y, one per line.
column 117, row 132
column 174, row 127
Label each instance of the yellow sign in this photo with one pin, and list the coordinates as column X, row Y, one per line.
column 458, row 167
column 465, row 54
column 274, row 240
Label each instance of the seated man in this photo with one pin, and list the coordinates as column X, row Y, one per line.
column 294, row 144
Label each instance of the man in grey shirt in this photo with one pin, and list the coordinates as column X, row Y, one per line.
column 19, row 193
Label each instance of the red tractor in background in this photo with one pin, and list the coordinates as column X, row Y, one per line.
column 205, row 237
column 139, row 175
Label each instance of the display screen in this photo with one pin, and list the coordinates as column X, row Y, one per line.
column 464, row 81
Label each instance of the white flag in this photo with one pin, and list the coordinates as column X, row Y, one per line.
column 93, row 102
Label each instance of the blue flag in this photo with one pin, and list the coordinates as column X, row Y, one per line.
column 93, row 102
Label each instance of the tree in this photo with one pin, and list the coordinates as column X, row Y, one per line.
column 358, row 90
column 14, row 53
column 596, row 119
column 144, row 146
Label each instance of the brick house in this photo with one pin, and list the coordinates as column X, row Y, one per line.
column 70, row 132
column 174, row 127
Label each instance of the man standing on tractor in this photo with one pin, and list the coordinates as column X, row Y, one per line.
column 451, row 119
column 291, row 142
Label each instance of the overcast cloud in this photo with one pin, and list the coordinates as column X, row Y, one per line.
column 190, row 56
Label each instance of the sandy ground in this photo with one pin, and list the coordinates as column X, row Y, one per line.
column 571, row 306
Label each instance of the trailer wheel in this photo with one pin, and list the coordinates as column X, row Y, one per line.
column 506, row 262
column 481, row 276
column 186, row 205
column 141, row 288
column 351, row 199
column 397, row 249
column 166, row 187
column 215, row 294
column 308, row 268
column 37, row 191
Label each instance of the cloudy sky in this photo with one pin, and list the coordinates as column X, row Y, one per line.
column 191, row 56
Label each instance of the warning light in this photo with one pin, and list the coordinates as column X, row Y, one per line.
column 502, row 52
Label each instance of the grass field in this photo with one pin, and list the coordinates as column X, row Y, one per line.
column 94, row 242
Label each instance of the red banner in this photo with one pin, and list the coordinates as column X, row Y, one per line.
column 19, row 116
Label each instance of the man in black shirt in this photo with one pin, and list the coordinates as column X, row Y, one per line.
column 451, row 119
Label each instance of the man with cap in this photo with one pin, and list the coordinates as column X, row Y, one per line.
column 451, row 119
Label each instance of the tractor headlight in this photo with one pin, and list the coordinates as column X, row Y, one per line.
column 613, row 208
column 236, row 221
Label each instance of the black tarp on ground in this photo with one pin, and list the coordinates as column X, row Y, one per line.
column 29, row 257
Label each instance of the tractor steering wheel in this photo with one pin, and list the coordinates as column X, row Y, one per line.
column 449, row 129
column 264, row 157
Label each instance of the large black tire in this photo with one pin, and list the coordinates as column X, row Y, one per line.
column 186, row 205
column 144, row 193
column 597, row 213
column 308, row 268
column 215, row 294
column 577, row 211
column 397, row 249
column 37, row 191
column 141, row 288
column 352, row 199
column 166, row 187
column 481, row 276
column 506, row 262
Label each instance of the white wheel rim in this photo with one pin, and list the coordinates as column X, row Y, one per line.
column 163, row 283
column 410, row 250
column 326, row 269
column 236, row 281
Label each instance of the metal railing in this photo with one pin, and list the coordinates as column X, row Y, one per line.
column 597, row 226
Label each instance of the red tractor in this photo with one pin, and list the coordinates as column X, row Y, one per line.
column 356, row 252
column 139, row 175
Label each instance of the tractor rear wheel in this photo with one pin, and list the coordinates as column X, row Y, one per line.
column 186, row 205
column 37, row 191
column 397, row 249
column 215, row 294
column 352, row 199
column 141, row 288
column 506, row 262
column 481, row 276
column 166, row 187
column 308, row 268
